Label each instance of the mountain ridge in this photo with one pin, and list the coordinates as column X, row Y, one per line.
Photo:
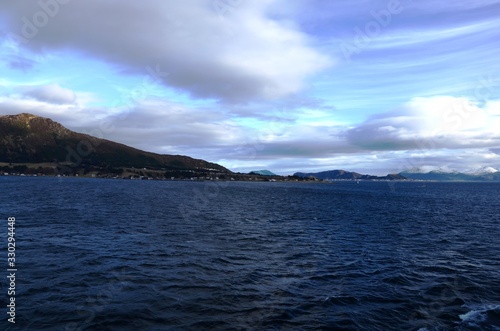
column 27, row 138
column 484, row 173
column 347, row 175
column 263, row 172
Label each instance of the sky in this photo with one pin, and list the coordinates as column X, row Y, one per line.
column 299, row 85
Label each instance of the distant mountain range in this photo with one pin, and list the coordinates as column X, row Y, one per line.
column 439, row 174
column 29, row 139
column 262, row 173
column 346, row 175
column 480, row 174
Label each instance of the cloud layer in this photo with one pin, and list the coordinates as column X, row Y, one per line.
column 52, row 93
column 231, row 55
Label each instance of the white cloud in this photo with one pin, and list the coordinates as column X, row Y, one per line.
column 430, row 123
column 52, row 93
column 429, row 36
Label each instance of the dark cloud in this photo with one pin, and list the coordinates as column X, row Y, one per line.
column 237, row 57
column 379, row 137
column 165, row 127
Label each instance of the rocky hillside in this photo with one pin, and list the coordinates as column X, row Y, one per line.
column 26, row 138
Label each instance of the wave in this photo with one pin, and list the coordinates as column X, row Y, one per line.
column 482, row 317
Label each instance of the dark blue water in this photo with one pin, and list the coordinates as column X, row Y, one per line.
column 144, row 255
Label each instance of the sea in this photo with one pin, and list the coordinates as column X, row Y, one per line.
column 107, row 254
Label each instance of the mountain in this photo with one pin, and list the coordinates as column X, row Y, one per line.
column 446, row 174
column 427, row 169
column 481, row 171
column 342, row 174
column 30, row 139
column 262, row 173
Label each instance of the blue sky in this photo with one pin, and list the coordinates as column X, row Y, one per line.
column 367, row 86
